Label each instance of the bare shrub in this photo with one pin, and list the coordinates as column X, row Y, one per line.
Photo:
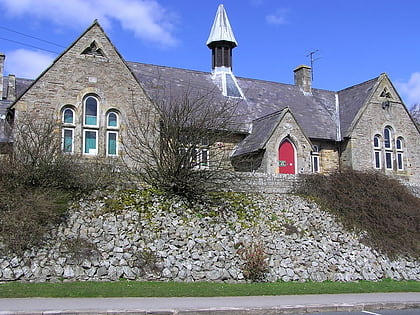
column 373, row 203
column 178, row 147
column 255, row 265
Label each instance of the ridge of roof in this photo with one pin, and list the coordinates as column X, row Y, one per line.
column 359, row 84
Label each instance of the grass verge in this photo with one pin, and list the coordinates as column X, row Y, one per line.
column 196, row 289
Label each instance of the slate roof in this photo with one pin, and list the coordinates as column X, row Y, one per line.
column 351, row 100
column 262, row 129
column 315, row 113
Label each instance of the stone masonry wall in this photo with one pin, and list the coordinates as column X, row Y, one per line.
column 171, row 242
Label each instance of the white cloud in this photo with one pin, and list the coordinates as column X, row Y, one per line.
column 410, row 91
column 147, row 19
column 28, row 64
column 278, row 17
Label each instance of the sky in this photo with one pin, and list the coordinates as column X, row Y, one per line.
column 353, row 41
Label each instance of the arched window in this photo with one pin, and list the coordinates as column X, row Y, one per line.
column 112, row 122
column 377, row 151
column 67, row 132
column 399, row 145
column 388, row 148
column 68, row 116
column 91, row 121
column 91, row 109
column 377, row 142
column 388, row 137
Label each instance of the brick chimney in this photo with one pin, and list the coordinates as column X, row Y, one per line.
column 303, row 78
column 2, row 57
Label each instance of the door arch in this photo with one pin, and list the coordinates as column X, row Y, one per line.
column 287, row 157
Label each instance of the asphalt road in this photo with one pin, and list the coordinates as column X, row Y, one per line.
column 292, row 304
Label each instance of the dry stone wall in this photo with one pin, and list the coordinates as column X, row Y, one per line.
column 169, row 241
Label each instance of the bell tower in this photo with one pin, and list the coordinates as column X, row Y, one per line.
column 221, row 41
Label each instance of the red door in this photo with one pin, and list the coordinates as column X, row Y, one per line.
column 287, row 158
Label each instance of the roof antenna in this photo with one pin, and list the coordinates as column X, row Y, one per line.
column 312, row 59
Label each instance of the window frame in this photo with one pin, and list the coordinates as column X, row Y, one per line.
column 388, row 138
column 315, row 159
column 399, row 146
column 84, row 142
column 63, row 143
column 85, row 111
column 108, row 132
column 390, row 160
column 109, row 113
column 63, row 120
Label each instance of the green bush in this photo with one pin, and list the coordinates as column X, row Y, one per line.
column 373, row 203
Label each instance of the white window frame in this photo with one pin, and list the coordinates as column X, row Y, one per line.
column 400, row 158
column 97, row 111
column 84, row 141
column 391, row 159
column 377, row 159
column 63, row 142
column 62, row 116
column 388, row 140
column 107, row 120
column 116, row 140
column 399, row 146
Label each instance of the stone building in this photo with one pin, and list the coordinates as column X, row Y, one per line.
column 93, row 93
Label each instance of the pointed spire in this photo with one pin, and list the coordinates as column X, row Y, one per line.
column 221, row 29
column 221, row 41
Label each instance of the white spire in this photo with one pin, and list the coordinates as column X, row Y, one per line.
column 221, row 29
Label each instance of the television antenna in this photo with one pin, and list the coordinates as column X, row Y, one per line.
column 312, row 60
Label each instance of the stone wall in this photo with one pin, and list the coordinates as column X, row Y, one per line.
column 169, row 241
column 265, row 183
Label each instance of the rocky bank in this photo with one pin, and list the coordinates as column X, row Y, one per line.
column 140, row 236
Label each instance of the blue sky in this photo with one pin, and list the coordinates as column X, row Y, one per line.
column 355, row 40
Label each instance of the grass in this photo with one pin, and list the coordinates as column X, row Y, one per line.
column 196, row 289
